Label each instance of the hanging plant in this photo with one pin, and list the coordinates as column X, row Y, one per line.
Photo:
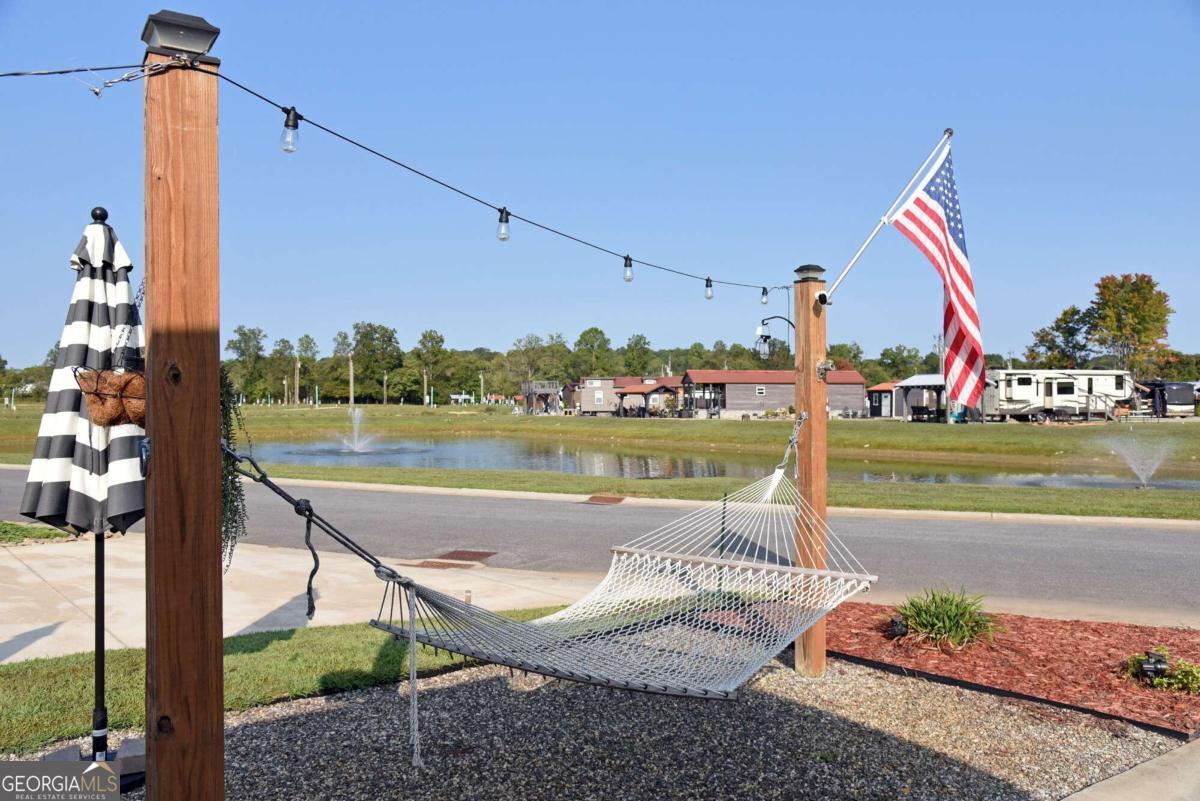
column 233, row 495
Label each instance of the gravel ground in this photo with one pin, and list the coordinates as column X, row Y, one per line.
column 856, row 733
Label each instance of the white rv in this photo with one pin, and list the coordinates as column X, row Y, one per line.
column 1039, row 394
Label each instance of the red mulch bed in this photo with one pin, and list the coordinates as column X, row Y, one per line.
column 1073, row 662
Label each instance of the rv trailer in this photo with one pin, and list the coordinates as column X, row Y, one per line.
column 1170, row 398
column 1062, row 394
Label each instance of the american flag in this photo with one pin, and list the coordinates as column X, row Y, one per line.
column 932, row 220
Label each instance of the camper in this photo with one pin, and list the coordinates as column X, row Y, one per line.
column 1170, row 398
column 1063, row 394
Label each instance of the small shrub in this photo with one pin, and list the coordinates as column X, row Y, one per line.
column 945, row 617
column 1181, row 676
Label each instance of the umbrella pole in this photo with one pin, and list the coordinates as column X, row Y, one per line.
column 100, row 711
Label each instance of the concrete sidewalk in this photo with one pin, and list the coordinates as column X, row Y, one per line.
column 48, row 604
column 1174, row 776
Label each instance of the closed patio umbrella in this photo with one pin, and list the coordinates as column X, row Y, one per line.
column 85, row 476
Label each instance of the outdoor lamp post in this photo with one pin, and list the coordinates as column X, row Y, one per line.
column 184, row 674
column 811, row 455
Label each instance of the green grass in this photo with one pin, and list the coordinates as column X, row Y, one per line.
column 12, row 533
column 44, row 700
column 869, row 495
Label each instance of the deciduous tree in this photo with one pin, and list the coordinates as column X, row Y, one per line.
column 248, row 348
column 593, row 353
column 637, row 355
column 1065, row 343
column 1129, row 319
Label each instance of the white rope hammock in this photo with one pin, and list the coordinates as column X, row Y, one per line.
column 693, row 608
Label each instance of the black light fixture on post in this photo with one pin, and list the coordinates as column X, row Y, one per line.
column 171, row 33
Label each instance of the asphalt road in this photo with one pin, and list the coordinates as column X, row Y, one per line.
column 1096, row 565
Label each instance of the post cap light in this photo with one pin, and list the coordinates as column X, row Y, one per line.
column 810, row 272
column 173, row 32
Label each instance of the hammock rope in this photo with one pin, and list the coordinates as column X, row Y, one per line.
column 693, row 608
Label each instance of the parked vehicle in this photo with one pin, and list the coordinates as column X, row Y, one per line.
column 1170, row 398
column 1059, row 394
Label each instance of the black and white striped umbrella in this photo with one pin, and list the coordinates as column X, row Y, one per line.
column 83, row 476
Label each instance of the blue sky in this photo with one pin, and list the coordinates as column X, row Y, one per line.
column 734, row 139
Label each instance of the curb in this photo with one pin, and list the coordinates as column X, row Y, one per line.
column 1176, row 524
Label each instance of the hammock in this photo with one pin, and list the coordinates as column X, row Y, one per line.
column 694, row 608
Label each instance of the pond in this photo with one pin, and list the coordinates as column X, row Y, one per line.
column 503, row 453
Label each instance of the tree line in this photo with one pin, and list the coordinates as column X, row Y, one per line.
column 1123, row 326
column 261, row 370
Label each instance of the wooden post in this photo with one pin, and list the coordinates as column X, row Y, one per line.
column 812, row 480
column 184, row 721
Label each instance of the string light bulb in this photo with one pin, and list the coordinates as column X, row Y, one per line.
column 289, row 140
column 764, row 297
column 708, row 293
column 502, row 228
column 628, row 270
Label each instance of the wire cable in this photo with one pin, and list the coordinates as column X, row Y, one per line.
column 186, row 64
column 464, row 193
column 72, row 70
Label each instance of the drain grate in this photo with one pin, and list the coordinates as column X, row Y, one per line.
column 604, row 500
column 438, row 565
column 467, row 556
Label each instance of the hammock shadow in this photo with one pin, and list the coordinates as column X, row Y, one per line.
column 14, row 645
column 484, row 735
column 732, row 545
column 281, row 623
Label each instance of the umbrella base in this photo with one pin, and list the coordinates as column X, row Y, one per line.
column 129, row 761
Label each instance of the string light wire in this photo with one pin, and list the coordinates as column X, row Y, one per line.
column 141, row 71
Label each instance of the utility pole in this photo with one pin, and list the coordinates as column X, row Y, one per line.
column 481, row 397
column 287, row 396
column 184, row 672
column 811, row 477
column 425, row 385
column 385, row 372
column 296, row 381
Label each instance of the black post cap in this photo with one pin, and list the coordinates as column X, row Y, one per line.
column 100, row 215
column 810, row 272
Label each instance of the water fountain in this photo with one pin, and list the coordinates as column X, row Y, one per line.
column 1143, row 456
column 356, row 442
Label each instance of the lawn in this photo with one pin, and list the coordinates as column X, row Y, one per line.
column 45, row 700
column 873, row 495
column 12, row 533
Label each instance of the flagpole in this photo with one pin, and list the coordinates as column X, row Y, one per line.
column 825, row 297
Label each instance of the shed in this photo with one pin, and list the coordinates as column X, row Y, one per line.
column 885, row 400
column 847, row 393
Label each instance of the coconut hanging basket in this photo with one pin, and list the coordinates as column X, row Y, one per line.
column 114, row 397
